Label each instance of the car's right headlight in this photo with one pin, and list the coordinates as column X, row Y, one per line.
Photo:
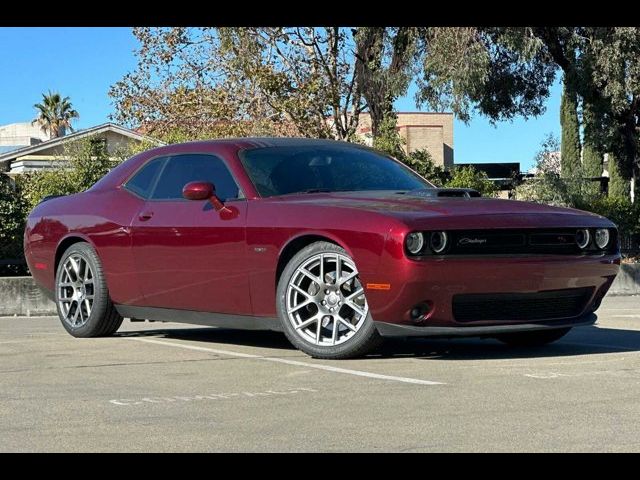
column 414, row 242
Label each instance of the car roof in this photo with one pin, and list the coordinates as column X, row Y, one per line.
column 258, row 142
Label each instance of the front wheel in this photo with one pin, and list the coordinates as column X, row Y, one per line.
column 82, row 298
column 322, row 306
column 533, row 339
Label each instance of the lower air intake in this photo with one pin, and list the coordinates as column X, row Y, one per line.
column 547, row 305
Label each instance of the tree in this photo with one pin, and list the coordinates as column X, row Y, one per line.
column 547, row 186
column 498, row 72
column 178, row 88
column 385, row 58
column 605, row 61
column 570, row 144
column 55, row 114
column 470, row 177
column 216, row 82
column 619, row 187
column 421, row 162
column 305, row 75
column 88, row 161
column 591, row 155
column 13, row 211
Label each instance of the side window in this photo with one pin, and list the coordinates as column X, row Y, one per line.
column 142, row 182
column 183, row 169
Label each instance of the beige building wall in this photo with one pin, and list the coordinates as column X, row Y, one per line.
column 421, row 130
column 21, row 134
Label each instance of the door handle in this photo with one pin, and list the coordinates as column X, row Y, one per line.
column 144, row 216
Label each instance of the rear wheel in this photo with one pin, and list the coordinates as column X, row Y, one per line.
column 533, row 339
column 82, row 298
column 322, row 305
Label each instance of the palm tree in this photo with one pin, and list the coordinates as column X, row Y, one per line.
column 55, row 114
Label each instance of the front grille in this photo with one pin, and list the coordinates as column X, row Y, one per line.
column 520, row 241
column 548, row 305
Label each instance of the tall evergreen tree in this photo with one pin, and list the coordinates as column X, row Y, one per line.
column 570, row 142
column 618, row 185
column 591, row 154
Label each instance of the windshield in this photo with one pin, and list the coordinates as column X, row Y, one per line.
column 292, row 169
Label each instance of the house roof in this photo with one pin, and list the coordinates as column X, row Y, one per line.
column 105, row 127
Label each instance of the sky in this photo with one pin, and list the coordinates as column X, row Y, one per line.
column 83, row 63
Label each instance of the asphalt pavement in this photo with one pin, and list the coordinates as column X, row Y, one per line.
column 174, row 387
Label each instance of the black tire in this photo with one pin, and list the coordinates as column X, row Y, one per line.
column 104, row 320
column 362, row 342
column 534, row 338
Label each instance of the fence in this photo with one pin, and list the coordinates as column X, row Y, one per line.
column 630, row 245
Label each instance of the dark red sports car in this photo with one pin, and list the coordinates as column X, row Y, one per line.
column 333, row 243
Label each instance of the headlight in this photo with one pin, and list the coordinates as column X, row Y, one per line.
column 438, row 242
column 602, row 238
column 582, row 238
column 414, row 242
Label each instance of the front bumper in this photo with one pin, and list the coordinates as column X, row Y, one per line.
column 436, row 281
column 400, row 330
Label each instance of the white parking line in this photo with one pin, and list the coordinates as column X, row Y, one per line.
column 318, row 366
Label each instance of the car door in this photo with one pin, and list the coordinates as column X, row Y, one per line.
column 188, row 255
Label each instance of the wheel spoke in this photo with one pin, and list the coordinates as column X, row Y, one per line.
column 310, row 275
column 354, row 307
column 355, row 294
column 87, row 305
column 334, row 333
column 322, row 267
column 300, row 305
column 301, row 291
column 307, row 322
column 349, row 277
column 319, row 329
column 338, row 268
column 349, row 325
column 76, row 268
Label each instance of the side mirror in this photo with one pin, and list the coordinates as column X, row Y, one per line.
column 198, row 191
column 202, row 191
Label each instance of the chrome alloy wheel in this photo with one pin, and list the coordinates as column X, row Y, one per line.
column 325, row 300
column 76, row 291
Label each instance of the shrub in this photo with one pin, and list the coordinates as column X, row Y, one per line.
column 13, row 211
column 88, row 161
column 421, row 162
column 469, row 177
column 621, row 211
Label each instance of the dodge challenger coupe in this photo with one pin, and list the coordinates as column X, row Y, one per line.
column 335, row 244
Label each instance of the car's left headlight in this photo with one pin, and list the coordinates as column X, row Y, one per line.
column 602, row 238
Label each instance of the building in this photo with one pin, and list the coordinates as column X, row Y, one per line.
column 49, row 153
column 19, row 135
column 420, row 130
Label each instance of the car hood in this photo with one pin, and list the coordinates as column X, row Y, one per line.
column 418, row 211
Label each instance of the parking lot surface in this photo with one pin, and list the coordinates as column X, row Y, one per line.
column 174, row 387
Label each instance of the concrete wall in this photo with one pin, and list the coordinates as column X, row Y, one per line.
column 20, row 295
column 628, row 281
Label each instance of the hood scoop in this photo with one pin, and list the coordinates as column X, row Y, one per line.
column 445, row 192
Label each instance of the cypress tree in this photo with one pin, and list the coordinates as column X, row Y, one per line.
column 619, row 187
column 591, row 156
column 570, row 142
